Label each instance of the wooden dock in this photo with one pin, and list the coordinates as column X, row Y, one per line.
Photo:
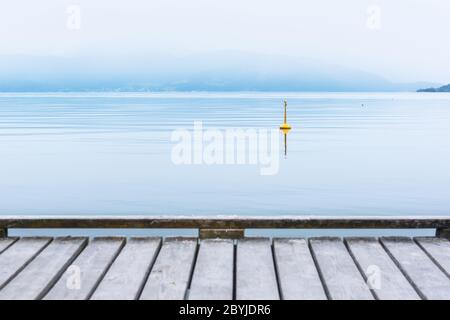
column 178, row 268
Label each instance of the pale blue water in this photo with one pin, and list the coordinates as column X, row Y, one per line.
column 110, row 153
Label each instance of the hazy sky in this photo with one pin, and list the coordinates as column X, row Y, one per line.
column 402, row 40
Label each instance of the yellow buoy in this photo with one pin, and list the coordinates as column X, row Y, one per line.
column 285, row 127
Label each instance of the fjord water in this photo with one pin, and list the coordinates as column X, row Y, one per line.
column 110, row 153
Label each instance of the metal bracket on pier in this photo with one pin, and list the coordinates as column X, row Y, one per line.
column 221, row 233
column 443, row 233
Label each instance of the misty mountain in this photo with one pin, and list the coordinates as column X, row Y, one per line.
column 440, row 89
column 218, row 71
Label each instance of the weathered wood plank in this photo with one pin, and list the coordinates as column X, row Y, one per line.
column 40, row 274
column 255, row 270
column 172, row 270
column 381, row 273
column 439, row 251
column 443, row 233
column 221, row 233
column 16, row 257
column 127, row 275
column 225, row 222
column 427, row 278
column 213, row 274
column 84, row 274
column 297, row 273
column 340, row 275
column 6, row 243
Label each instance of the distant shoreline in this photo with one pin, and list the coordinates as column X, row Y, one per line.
column 440, row 89
column 213, row 91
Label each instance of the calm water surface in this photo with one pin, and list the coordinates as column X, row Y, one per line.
column 110, row 153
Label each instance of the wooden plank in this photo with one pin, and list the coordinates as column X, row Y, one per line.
column 84, row 274
column 340, row 275
column 297, row 273
column 225, row 222
column 6, row 243
column 255, row 270
column 41, row 273
column 127, row 275
column 381, row 274
column 16, row 257
column 438, row 250
column 443, row 233
column 221, row 233
column 172, row 270
column 422, row 272
column 213, row 274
